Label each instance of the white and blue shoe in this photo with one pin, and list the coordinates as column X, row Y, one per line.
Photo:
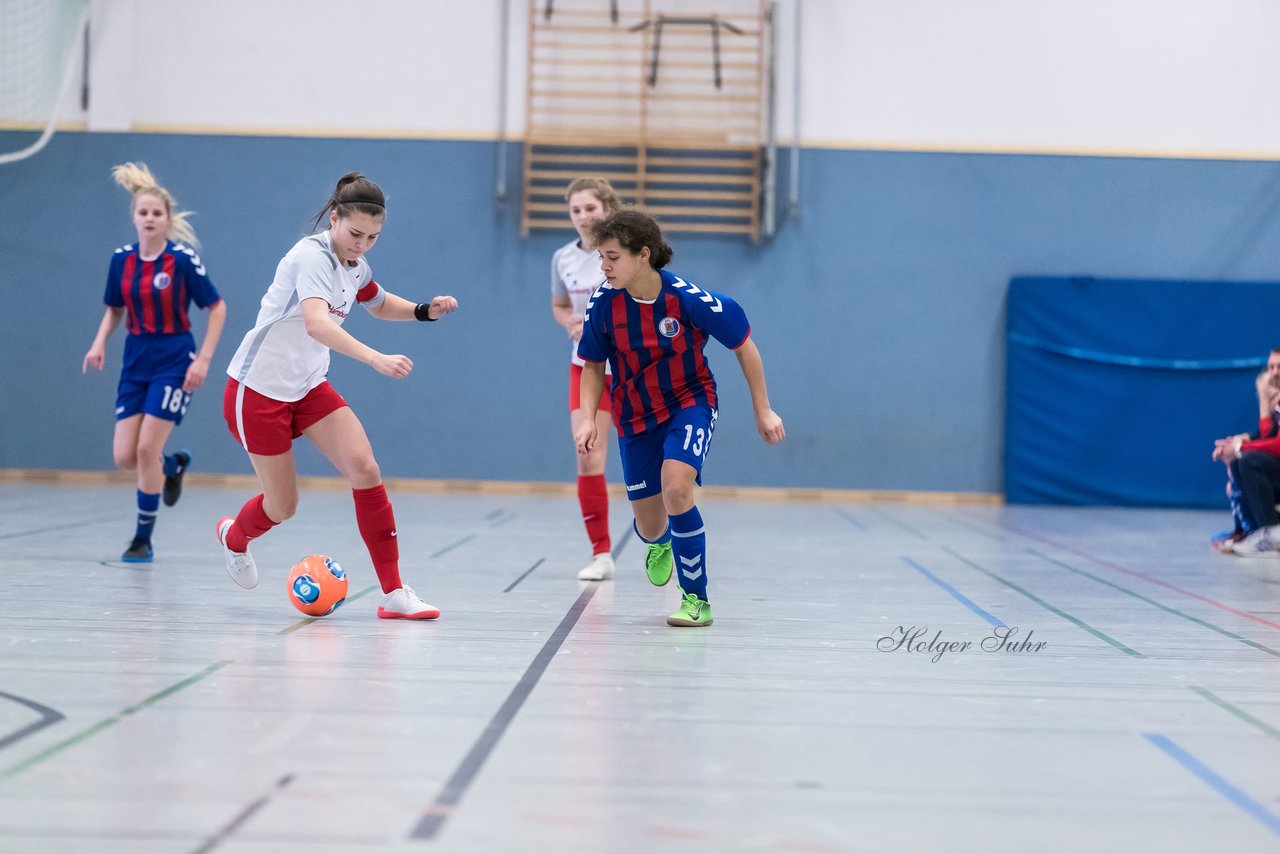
column 1264, row 542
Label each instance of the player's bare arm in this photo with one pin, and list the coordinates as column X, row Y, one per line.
column 584, row 437
column 768, row 423
column 395, row 307
column 199, row 369
column 562, row 310
column 315, row 314
column 97, row 355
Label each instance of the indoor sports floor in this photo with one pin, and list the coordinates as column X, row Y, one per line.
column 160, row 708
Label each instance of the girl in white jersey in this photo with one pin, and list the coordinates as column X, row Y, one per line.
column 575, row 275
column 277, row 389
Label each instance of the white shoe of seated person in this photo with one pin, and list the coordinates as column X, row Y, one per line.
column 404, row 604
column 600, row 569
column 1264, row 542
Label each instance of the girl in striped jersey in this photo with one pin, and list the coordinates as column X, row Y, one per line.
column 575, row 275
column 278, row 389
column 153, row 283
column 652, row 327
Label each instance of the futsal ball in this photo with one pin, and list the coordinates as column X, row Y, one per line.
column 317, row 585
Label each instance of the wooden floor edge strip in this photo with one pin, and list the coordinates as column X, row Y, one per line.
column 500, row 487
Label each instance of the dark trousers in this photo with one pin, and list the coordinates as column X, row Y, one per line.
column 1257, row 476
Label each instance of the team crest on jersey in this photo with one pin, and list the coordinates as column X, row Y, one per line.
column 161, row 281
column 669, row 327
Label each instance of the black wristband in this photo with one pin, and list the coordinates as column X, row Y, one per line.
column 422, row 311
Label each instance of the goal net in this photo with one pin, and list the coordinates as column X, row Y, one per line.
column 40, row 50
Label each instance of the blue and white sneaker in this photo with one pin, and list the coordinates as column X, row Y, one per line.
column 1264, row 542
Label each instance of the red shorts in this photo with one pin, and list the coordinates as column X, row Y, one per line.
column 575, row 390
column 266, row 426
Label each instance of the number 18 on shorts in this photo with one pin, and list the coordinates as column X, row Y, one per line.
column 163, row 398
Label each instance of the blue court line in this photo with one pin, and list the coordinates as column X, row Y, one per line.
column 960, row 597
column 850, row 518
column 1215, row 781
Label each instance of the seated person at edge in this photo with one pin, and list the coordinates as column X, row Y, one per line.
column 1253, row 474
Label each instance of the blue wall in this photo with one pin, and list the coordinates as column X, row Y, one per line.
column 879, row 309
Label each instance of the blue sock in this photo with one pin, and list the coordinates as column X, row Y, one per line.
column 148, row 505
column 689, row 544
column 664, row 537
column 170, row 464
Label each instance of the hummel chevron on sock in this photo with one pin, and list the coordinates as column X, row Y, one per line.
column 689, row 543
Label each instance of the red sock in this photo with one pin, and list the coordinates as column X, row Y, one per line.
column 593, row 498
column 378, row 528
column 251, row 522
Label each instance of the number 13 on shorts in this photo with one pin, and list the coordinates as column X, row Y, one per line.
column 697, row 438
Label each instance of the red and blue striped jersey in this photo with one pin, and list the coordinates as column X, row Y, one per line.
column 656, row 349
column 156, row 294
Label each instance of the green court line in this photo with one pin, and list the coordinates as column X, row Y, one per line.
column 309, row 620
column 111, row 721
column 1238, row 712
column 1161, row 606
column 964, row 523
column 1043, row 604
column 468, row 538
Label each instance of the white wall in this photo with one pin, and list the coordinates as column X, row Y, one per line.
column 1125, row 76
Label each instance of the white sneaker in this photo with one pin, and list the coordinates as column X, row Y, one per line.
column 1264, row 542
column 404, row 604
column 600, row 569
column 240, row 565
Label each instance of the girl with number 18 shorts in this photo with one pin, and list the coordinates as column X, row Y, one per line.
column 278, row 389
column 153, row 282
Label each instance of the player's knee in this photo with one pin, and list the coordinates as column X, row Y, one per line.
column 365, row 473
column 126, row 460
column 677, row 496
column 281, row 508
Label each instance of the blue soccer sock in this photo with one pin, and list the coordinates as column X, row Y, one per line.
column 148, row 505
column 664, row 537
column 689, row 544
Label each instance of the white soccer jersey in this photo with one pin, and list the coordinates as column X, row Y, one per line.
column 277, row 357
column 575, row 273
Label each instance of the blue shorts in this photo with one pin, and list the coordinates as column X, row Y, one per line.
column 162, row 397
column 155, row 367
column 685, row 437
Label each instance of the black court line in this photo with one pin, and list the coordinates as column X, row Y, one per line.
column 524, row 575
column 617, row 550
column 901, row 524
column 64, row 527
column 48, row 717
column 435, row 815
column 245, row 814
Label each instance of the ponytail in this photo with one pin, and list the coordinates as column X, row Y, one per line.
column 137, row 179
column 353, row 194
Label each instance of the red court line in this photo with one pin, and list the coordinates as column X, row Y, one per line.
column 1144, row 576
